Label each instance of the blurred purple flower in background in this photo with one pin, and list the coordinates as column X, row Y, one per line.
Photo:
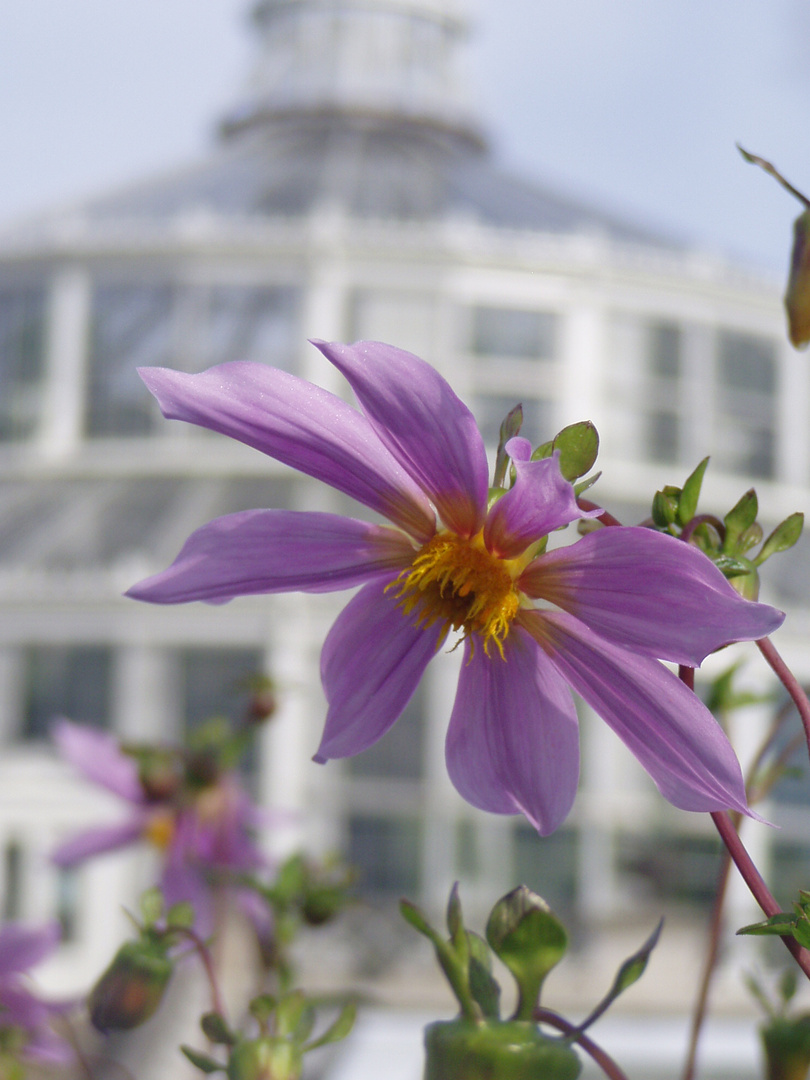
column 611, row 605
column 203, row 829
column 24, row 1015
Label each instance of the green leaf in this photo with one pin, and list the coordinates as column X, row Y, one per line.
column 690, row 494
column 788, row 984
column 216, row 1029
column 664, row 509
column 741, row 516
column 151, row 906
column 630, row 972
column 417, row 919
column 202, row 1061
column 455, row 924
column 510, row 427
column 262, row 1007
column 483, row 986
column 801, row 931
column 780, row 925
column 783, row 537
column 339, row 1029
column 733, row 567
column 579, row 446
column 543, row 451
column 528, row 937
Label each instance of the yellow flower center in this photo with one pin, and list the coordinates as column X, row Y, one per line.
column 457, row 582
column 159, row 830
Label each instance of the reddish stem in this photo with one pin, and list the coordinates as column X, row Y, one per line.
column 603, row 1060
column 205, row 956
column 605, row 517
column 744, row 863
column 790, row 683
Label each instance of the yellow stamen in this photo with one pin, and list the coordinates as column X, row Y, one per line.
column 456, row 581
column 159, row 830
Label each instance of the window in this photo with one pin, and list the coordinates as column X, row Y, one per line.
column 22, row 346
column 512, row 332
column 130, row 327
column 71, row 681
column 217, row 682
column 252, row 323
column 491, row 410
column 547, row 864
column 746, row 385
column 386, row 854
column 398, row 754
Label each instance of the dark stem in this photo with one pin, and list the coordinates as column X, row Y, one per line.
column 605, row 517
column 702, row 519
column 790, row 683
column 744, row 863
column 205, row 956
column 603, row 1060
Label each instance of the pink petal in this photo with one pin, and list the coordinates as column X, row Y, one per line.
column 540, row 501
column 98, row 841
column 649, row 592
column 23, row 947
column 371, row 664
column 297, row 423
column 268, row 551
column 662, row 722
column 99, row 758
column 513, row 742
column 427, row 428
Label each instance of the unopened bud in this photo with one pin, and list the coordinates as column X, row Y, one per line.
column 267, row 1058
column 131, row 988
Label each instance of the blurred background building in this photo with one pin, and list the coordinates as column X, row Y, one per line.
column 352, row 194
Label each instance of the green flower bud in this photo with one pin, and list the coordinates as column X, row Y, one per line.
column 512, row 1050
column 797, row 296
column 266, row 1058
column 131, row 988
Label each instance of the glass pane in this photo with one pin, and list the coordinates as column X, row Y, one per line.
column 66, row 681
column 131, row 327
column 665, row 350
column 547, row 864
column 216, row 682
column 746, row 362
column 12, row 881
column 253, row 323
column 680, row 868
column 743, row 445
column 399, row 752
column 22, row 337
column 491, row 410
column 386, row 854
column 662, row 436
column 511, row 332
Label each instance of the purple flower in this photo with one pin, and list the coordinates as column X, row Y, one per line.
column 596, row 617
column 21, row 948
column 201, row 834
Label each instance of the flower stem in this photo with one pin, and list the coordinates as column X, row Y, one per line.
column 603, row 1060
column 207, row 959
column 743, row 861
column 605, row 517
column 790, row 683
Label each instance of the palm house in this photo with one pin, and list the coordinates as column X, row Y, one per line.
column 351, row 193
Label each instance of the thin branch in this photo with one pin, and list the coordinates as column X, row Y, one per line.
column 605, row 517
column 603, row 1060
column 790, row 683
column 205, row 956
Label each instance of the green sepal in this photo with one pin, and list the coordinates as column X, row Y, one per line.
column 741, row 517
column 732, row 567
column 583, row 485
column 780, row 925
column 783, row 537
column 512, row 423
column 150, row 906
column 295, row 1017
column 337, row 1030
column 180, row 916
column 216, row 1030
column 543, row 451
column 203, row 1062
column 483, row 986
column 526, row 935
column 788, row 984
column 690, row 494
column 453, row 956
column 261, row 1008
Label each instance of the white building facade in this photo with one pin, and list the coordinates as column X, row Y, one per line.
column 351, row 195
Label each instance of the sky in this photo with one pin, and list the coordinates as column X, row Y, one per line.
column 633, row 105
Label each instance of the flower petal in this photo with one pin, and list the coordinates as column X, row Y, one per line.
column 371, row 663
column 300, row 424
column 649, row 592
column 23, row 947
column 513, row 741
column 662, row 722
column 98, row 841
column 99, row 758
column 427, row 428
column 540, row 501
column 268, row 551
